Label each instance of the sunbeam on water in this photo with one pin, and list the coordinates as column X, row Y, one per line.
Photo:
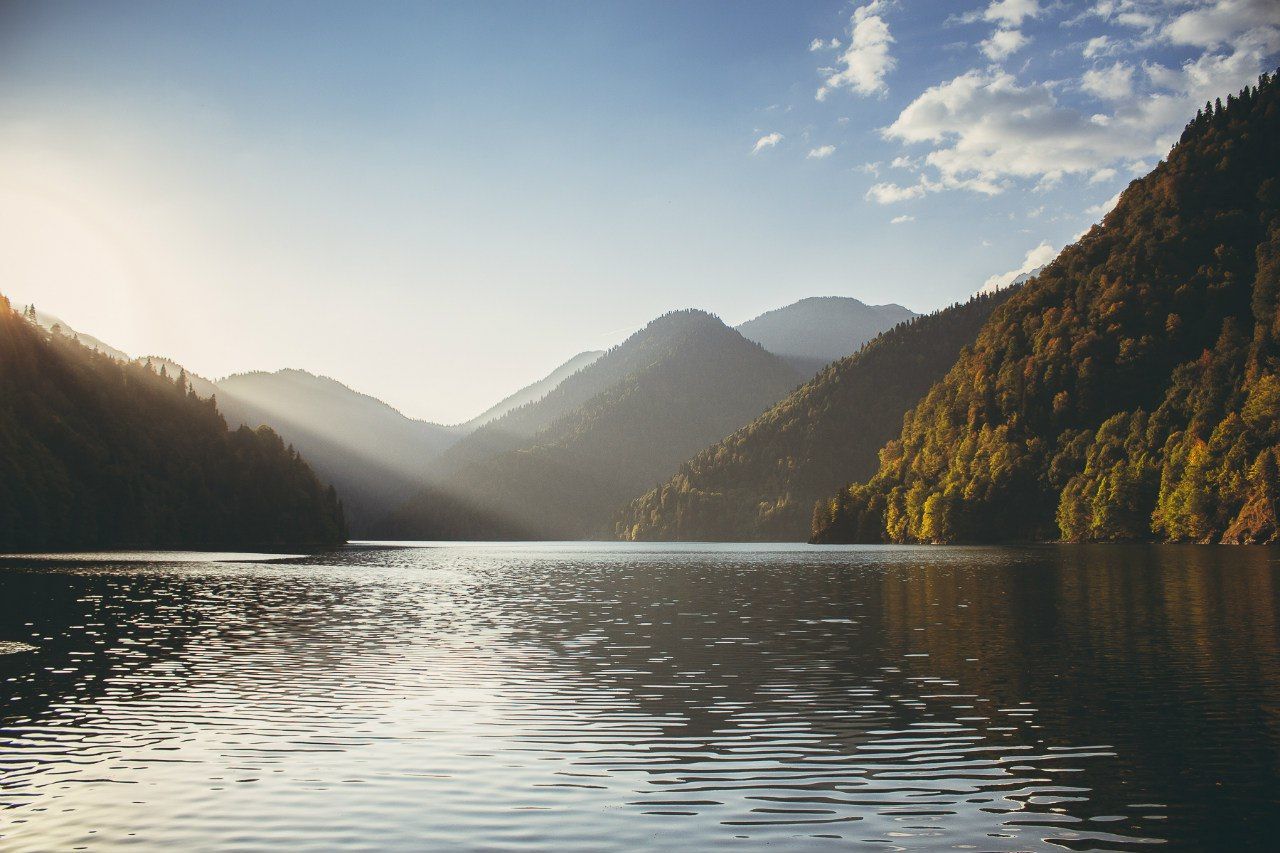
column 588, row 697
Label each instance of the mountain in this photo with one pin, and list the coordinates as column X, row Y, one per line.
column 51, row 323
column 812, row 333
column 376, row 457
column 761, row 482
column 532, row 393
column 1132, row 389
column 557, row 468
column 99, row 453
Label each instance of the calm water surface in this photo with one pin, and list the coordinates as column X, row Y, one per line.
column 597, row 697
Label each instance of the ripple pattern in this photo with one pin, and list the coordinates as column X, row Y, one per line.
column 578, row 697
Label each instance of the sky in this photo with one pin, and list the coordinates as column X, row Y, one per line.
column 437, row 203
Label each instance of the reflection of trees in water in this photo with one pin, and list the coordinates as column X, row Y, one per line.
column 1170, row 655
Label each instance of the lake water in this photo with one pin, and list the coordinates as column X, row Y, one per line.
column 593, row 697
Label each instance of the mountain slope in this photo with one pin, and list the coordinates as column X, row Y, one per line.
column 558, row 468
column 761, row 482
column 375, row 456
column 812, row 333
column 96, row 453
column 533, row 392
column 1130, row 390
column 50, row 322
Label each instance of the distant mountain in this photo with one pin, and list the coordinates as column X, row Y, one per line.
column 375, row 456
column 100, row 453
column 558, row 467
column 533, row 392
column 761, row 482
column 1132, row 389
column 812, row 333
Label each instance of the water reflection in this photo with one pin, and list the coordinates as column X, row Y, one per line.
column 593, row 697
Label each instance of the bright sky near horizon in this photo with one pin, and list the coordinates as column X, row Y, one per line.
column 437, row 203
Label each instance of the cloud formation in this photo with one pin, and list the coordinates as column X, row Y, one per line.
column 1003, row 43
column 1109, row 84
column 987, row 129
column 1034, row 260
column 866, row 60
column 769, row 140
column 821, row 152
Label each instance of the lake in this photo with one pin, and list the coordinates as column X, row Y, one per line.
column 595, row 696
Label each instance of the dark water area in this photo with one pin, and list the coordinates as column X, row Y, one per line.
column 592, row 697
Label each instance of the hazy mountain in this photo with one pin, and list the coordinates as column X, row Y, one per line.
column 761, row 482
column 49, row 321
column 814, row 332
column 375, row 456
column 558, row 467
column 533, row 392
column 1132, row 389
column 100, row 453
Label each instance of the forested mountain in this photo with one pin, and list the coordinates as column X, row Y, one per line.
column 51, row 323
column 376, row 457
column 812, row 333
column 559, row 467
column 1129, row 391
column 761, row 482
column 99, row 453
column 533, row 392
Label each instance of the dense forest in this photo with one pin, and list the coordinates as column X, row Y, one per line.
column 559, row 468
column 1131, row 390
column 99, row 453
column 762, row 481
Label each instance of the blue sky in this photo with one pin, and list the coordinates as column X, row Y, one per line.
column 438, row 203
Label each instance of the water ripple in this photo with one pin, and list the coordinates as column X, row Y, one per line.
column 595, row 697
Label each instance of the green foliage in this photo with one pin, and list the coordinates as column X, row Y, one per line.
column 761, row 482
column 95, row 453
column 1168, row 308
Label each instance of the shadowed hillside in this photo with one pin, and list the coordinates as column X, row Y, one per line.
column 557, row 468
column 97, row 453
column 761, row 482
column 375, row 456
column 533, row 392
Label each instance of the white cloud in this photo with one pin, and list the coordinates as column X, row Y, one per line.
column 872, row 169
column 769, row 140
column 985, row 127
column 866, row 60
column 821, row 152
column 1036, row 258
column 1102, row 176
column 1222, row 22
column 904, row 163
column 819, row 44
column 1003, row 43
column 1099, row 46
column 1011, row 12
column 1101, row 210
column 891, row 193
column 1111, row 84
column 899, row 220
